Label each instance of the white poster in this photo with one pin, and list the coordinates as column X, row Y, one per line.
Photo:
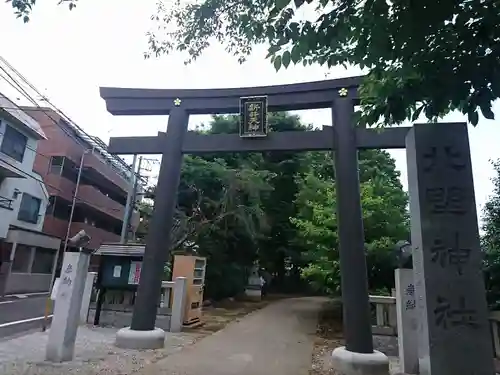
column 117, row 271
column 55, row 288
column 135, row 273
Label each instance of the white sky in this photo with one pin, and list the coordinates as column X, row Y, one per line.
column 68, row 55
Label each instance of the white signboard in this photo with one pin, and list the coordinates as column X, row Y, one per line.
column 135, row 273
column 117, row 271
column 53, row 294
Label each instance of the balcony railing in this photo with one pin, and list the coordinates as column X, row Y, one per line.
column 6, row 203
column 93, row 197
column 58, row 228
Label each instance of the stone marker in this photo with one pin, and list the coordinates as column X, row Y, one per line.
column 62, row 334
column 253, row 289
column 407, row 321
column 454, row 335
column 86, row 297
column 178, row 304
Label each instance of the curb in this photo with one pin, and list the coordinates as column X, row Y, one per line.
column 21, row 326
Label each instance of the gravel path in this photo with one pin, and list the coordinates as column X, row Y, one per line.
column 94, row 354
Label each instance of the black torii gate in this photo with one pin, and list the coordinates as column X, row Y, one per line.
column 341, row 95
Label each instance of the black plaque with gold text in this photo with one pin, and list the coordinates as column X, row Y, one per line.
column 253, row 116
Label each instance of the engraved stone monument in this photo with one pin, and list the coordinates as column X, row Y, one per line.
column 454, row 335
column 407, row 320
column 62, row 334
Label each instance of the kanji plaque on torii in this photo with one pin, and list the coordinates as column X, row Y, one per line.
column 253, row 116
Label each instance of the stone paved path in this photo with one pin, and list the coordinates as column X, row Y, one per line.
column 276, row 340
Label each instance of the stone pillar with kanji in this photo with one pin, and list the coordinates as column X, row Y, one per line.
column 453, row 329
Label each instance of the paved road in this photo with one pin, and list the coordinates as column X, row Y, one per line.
column 21, row 309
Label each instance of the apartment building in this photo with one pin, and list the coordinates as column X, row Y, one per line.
column 101, row 192
column 27, row 256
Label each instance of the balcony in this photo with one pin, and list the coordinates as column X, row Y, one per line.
column 6, row 203
column 88, row 196
column 59, row 186
column 7, row 169
column 92, row 197
column 58, row 227
column 98, row 235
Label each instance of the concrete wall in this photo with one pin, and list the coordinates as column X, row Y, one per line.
column 122, row 319
column 27, row 283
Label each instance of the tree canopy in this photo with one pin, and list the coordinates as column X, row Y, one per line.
column 425, row 56
column 491, row 240
column 279, row 208
column 385, row 219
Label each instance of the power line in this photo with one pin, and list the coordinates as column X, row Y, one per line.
column 43, row 110
column 96, row 143
column 92, row 141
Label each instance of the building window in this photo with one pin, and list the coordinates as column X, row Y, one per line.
column 43, row 261
column 56, row 164
column 14, row 144
column 22, row 259
column 30, row 209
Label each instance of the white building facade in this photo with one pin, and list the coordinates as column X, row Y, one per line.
column 27, row 255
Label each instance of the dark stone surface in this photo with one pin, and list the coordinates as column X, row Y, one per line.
column 278, row 141
column 354, row 284
column 454, row 331
column 296, row 96
column 157, row 249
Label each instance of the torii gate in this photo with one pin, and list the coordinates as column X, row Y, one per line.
column 341, row 95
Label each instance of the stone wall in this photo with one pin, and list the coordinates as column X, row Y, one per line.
column 122, row 319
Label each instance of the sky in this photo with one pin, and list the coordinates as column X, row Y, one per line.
column 68, row 55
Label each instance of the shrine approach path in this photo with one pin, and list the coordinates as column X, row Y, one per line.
column 277, row 339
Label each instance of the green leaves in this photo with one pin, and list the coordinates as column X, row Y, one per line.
column 428, row 69
column 473, row 117
column 384, row 213
column 442, row 65
column 295, row 54
column 23, row 8
column 285, row 59
column 490, row 241
column 279, row 5
column 277, row 63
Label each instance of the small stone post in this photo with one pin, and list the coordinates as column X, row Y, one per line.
column 87, row 294
column 62, row 334
column 178, row 304
column 253, row 290
column 407, row 321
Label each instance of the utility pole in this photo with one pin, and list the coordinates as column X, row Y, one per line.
column 73, row 203
column 68, row 231
column 134, row 196
column 126, row 217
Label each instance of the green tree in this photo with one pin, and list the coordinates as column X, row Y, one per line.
column 220, row 216
column 384, row 214
column 427, row 57
column 240, row 205
column 491, row 241
column 277, row 248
